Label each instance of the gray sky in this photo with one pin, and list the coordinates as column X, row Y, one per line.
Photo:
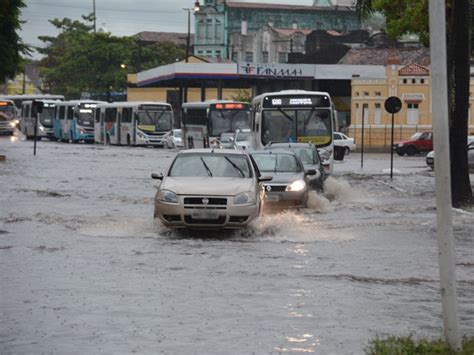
column 120, row 17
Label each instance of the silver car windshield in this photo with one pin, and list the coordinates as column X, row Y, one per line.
column 211, row 165
column 276, row 163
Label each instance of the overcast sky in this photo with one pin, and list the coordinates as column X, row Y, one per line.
column 120, row 17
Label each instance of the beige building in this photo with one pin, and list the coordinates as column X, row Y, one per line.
column 412, row 84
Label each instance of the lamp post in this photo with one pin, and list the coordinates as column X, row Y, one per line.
column 188, row 37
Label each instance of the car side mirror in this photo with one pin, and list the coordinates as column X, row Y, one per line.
column 264, row 178
column 310, row 172
column 157, row 176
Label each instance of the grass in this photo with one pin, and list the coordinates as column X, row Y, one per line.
column 408, row 346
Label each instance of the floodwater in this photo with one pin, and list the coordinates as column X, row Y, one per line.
column 85, row 269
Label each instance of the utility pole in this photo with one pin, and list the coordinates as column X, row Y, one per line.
column 446, row 255
column 93, row 10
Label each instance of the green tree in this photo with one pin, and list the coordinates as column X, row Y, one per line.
column 411, row 16
column 10, row 43
column 79, row 60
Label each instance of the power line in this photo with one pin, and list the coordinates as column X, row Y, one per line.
column 103, row 8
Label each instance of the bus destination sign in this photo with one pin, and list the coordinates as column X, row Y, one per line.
column 296, row 101
column 155, row 107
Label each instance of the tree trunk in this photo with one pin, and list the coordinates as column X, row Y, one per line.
column 459, row 74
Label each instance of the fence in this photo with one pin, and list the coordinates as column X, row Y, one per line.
column 377, row 138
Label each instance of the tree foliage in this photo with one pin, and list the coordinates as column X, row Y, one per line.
column 10, row 43
column 79, row 60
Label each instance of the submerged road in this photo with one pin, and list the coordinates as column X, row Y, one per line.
column 85, row 269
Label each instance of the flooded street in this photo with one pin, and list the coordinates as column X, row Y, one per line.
column 85, row 269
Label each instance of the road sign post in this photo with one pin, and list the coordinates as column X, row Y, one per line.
column 392, row 105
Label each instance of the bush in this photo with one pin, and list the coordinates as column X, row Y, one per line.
column 408, row 346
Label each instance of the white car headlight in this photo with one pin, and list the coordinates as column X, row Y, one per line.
column 12, row 124
column 41, row 129
column 297, row 185
column 167, row 196
column 243, row 198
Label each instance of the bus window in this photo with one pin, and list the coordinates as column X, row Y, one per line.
column 278, row 126
column 70, row 112
column 110, row 114
column 84, row 117
column 62, row 110
column 97, row 115
column 163, row 120
column 314, row 125
column 127, row 115
column 223, row 121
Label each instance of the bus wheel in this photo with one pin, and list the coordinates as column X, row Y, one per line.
column 129, row 141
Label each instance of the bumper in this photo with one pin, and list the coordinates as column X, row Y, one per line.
column 286, row 199
column 205, row 217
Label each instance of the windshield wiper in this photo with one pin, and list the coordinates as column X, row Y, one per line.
column 285, row 114
column 209, row 172
column 235, row 166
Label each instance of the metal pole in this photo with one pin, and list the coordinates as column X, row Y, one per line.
column 35, row 134
column 442, row 173
column 189, row 34
column 362, row 139
column 391, row 145
column 93, row 7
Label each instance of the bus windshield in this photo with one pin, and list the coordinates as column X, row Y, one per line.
column 7, row 109
column 296, row 125
column 161, row 120
column 85, row 118
column 47, row 117
column 222, row 121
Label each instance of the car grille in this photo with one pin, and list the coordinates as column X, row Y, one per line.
column 217, row 221
column 211, row 201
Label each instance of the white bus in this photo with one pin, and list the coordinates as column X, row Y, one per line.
column 74, row 120
column 202, row 122
column 18, row 99
column 142, row 123
column 295, row 116
column 45, row 119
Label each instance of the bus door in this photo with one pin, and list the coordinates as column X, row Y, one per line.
column 98, row 125
column 25, row 119
column 68, row 123
column 194, row 128
column 58, row 122
column 118, row 122
column 127, row 133
column 110, row 121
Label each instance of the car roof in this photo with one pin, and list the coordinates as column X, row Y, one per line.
column 212, row 150
column 289, row 145
column 276, row 151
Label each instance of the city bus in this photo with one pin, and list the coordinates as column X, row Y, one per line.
column 202, row 122
column 74, row 121
column 295, row 116
column 45, row 119
column 8, row 117
column 143, row 123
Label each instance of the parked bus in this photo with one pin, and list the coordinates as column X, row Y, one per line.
column 204, row 121
column 8, row 117
column 142, row 123
column 45, row 119
column 295, row 116
column 74, row 120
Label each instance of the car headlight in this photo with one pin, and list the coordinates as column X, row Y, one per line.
column 297, row 185
column 167, row 196
column 243, row 198
column 41, row 129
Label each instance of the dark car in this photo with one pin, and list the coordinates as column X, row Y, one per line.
column 417, row 143
column 310, row 158
column 289, row 186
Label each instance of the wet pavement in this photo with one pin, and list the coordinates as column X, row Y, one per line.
column 85, row 269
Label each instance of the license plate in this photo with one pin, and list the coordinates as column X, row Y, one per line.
column 205, row 215
column 273, row 198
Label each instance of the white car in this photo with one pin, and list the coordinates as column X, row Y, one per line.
column 341, row 140
column 210, row 189
column 242, row 139
column 173, row 139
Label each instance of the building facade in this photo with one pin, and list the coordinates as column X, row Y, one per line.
column 217, row 20
column 412, row 84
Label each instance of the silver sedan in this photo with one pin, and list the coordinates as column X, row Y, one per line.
column 210, row 189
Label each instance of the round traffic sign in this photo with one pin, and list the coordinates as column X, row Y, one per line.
column 393, row 104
